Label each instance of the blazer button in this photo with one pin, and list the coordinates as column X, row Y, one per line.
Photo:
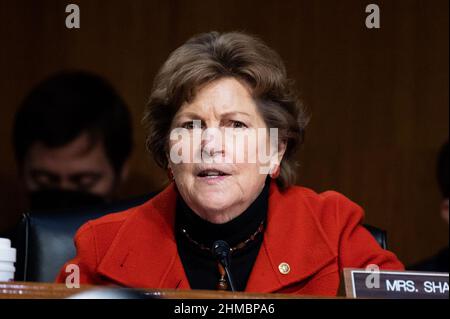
column 284, row 268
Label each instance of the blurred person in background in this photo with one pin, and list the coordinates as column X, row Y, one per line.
column 439, row 262
column 72, row 140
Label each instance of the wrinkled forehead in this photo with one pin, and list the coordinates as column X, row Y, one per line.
column 223, row 96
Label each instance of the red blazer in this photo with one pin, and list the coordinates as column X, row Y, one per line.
column 315, row 234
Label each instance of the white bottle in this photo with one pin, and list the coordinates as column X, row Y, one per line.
column 7, row 260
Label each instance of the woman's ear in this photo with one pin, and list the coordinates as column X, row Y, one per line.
column 169, row 169
column 281, row 150
column 276, row 159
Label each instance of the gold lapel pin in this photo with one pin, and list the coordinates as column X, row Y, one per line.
column 284, row 268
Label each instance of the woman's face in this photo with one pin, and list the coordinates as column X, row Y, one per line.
column 223, row 173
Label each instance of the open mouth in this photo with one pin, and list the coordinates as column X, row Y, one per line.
column 212, row 173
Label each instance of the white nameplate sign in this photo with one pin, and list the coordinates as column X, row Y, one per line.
column 362, row 283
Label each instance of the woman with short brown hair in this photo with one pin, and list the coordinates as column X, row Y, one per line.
column 211, row 56
column 223, row 222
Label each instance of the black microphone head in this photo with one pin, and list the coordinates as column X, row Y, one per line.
column 221, row 250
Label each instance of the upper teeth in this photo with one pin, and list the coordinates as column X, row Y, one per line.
column 212, row 173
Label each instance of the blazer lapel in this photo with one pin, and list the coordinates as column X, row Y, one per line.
column 293, row 237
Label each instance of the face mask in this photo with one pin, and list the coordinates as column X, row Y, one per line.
column 57, row 199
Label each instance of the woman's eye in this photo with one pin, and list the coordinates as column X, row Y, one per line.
column 238, row 124
column 191, row 125
column 188, row 125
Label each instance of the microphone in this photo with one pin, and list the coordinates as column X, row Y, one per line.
column 221, row 251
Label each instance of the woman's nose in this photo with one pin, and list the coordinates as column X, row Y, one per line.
column 212, row 142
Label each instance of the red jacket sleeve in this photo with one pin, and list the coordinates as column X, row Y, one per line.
column 357, row 247
column 86, row 259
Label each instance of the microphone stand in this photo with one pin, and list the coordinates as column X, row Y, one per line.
column 221, row 251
